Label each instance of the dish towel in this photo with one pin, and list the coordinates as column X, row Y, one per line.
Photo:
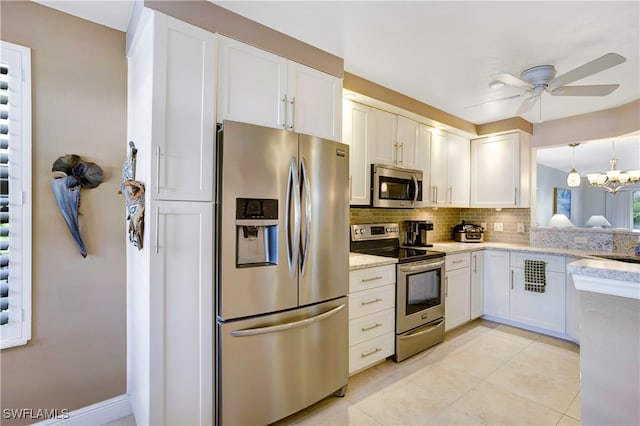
column 534, row 275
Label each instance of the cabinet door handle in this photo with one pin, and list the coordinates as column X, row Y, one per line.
column 157, row 170
column 366, row 280
column 376, row 325
column 451, row 195
column 515, row 196
column 376, row 300
column 401, row 146
column 293, row 113
column 475, row 264
column 366, row 354
column 512, row 287
column 446, row 286
column 157, row 233
column 284, row 118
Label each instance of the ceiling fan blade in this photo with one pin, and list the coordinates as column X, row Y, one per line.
column 495, row 100
column 527, row 104
column 596, row 90
column 602, row 63
column 512, row 80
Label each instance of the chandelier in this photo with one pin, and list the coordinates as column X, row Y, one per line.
column 613, row 180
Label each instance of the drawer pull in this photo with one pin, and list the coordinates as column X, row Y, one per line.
column 457, row 261
column 376, row 350
column 371, row 327
column 377, row 299
column 366, row 280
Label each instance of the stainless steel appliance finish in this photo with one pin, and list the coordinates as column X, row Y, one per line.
column 273, row 366
column 468, row 233
column 419, row 286
column 282, row 251
column 395, row 187
column 417, row 233
column 419, row 306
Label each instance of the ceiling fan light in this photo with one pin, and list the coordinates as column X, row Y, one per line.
column 496, row 84
column 573, row 179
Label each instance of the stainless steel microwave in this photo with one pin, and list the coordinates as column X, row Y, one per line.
column 395, row 187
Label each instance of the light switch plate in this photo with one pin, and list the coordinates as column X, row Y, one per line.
column 498, row 227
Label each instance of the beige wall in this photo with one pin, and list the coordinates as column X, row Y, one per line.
column 77, row 353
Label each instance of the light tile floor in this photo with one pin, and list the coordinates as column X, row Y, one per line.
column 484, row 373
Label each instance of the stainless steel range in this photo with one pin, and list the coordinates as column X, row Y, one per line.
column 419, row 286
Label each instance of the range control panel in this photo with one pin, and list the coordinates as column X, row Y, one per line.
column 374, row 231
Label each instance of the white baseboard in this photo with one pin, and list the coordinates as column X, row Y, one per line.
column 93, row 415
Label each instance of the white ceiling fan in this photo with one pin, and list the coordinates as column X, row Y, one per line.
column 542, row 78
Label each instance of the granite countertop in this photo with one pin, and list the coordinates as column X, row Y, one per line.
column 587, row 264
column 604, row 276
column 361, row 261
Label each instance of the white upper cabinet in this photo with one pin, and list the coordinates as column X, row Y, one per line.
column 252, row 84
column 449, row 171
column 384, row 143
column 500, row 171
column 258, row 87
column 408, row 144
column 179, row 147
column 357, row 129
column 315, row 102
column 457, row 171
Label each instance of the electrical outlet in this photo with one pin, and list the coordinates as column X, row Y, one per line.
column 498, row 227
column 580, row 240
column 520, row 227
column 483, row 225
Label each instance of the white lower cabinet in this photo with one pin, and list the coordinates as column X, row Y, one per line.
column 545, row 309
column 372, row 293
column 477, row 284
column 457, row 291
column 573, row 306
column 507, row 298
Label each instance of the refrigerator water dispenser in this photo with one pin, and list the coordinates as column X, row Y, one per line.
column 256, row 232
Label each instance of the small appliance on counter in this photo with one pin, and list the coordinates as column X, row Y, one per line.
column 416, row 235
column 468, row 233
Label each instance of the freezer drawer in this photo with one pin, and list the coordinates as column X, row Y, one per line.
column 274, row 365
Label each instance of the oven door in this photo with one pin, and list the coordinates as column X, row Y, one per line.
column 420, row 299
column 394, row 187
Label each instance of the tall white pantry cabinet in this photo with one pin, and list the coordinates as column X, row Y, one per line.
column 171, row 120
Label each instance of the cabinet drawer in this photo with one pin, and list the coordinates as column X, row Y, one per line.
column 554, row 263
column 370, row 326
column 457, row 261
column 370, row 301
column 362, row 279
column 371, row 351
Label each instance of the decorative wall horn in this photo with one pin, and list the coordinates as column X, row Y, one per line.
column 70, row 175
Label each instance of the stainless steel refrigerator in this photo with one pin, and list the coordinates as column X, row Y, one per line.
column 282, row 230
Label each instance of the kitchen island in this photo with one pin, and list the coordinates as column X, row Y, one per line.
column 610, row 340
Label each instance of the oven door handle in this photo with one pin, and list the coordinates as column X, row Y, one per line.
column 422, row 268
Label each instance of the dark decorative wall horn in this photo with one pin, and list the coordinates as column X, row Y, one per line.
column 133, row 193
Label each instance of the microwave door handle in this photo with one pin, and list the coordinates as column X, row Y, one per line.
column 415, row 183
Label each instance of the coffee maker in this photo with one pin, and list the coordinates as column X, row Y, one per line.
column 417, row 232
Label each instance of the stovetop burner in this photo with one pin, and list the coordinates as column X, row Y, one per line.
column 384, row 240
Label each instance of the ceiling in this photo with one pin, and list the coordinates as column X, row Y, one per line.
column 444, row 53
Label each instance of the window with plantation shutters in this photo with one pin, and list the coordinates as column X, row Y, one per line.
column 15, row 194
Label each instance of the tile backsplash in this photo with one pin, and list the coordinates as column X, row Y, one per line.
column 444, row 219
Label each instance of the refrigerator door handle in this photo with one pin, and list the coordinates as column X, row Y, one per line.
column 293, row 244
column 286, row 326
column 307, row 215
